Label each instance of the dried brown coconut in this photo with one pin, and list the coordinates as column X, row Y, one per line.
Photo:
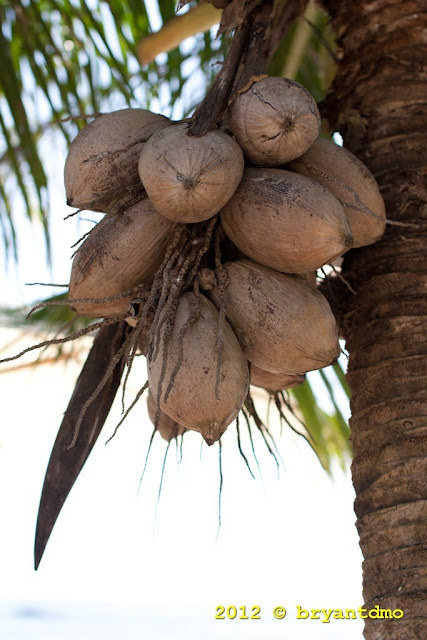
column 274, row 381
column 311, row 277
column 167, row 427
column 286, row 221
column 283, row 324
column 351, row 182
column 101, row 169
column 190, row 178
column 121, row 252
column 274, row 121
column 199, row 375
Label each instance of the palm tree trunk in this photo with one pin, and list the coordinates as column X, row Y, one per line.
column 378, row 103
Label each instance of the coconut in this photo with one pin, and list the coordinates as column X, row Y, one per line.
column 190, row 178
column 283, row 324
column 351, row 182
column 274, row 381
column 191, row 393
column 168, row 428
column 121, row 252
column 286, row 221
column 275, row 121
column 101, row 169
column 311, row 277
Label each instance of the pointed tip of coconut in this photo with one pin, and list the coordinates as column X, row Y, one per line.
column 348, row 242
column 212, row 432
column 69, row 202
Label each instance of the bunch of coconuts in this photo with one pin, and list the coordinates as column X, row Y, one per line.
column 210, row 245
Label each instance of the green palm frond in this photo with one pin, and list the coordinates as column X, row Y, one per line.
column 329, row 430
column 307, row 52
column 63, row 61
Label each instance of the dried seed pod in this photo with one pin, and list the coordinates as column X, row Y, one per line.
column 192, row 394
column 190, row 178
column 168, row 428
column 275, row 121
column 101, row 170
column 121, row 252
column 283, row 324
column 286, row 221
column 274, row 381
column 351, row 182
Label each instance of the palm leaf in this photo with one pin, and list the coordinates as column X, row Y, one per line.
column 66, row 462
column 197, row 20
column 329, row 431
column 66, row 57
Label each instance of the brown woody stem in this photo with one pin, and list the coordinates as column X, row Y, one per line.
column 210, row 111
column 254, row 44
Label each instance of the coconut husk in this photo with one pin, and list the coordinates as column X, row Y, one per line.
column 311, row 277
column 121, row 252
column 276, row 118
column 101, row 170
column 274, row 381
column 190, row 178
column 284, row 325
column 166, row 426
column 194, row 391
column 351, row 182
column 286, row 221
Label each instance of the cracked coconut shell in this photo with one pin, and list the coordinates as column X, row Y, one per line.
column 274, row 121
column 190, row 178
column 101, row 170
column 286, row 221
column 283, row 324
column 167, row 427
column 274, row 381
column 191, row 399
column 351, row 182
column 121, row 252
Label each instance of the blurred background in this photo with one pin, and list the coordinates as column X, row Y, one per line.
column 130, row 559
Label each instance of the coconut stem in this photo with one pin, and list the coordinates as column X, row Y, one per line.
column 210, row 110
column 256, row 60
column 254, row 42
column 269, row 24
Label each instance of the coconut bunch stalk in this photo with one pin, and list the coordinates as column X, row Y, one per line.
column 190, row 178
column 198, row 349
column 351, row 182
column 121, row 252
column 197, row 372
column 283, row 324
column 286, row 221
column 274, row 121
column 101, row 170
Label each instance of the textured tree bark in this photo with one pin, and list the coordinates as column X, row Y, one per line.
column 378, row 102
